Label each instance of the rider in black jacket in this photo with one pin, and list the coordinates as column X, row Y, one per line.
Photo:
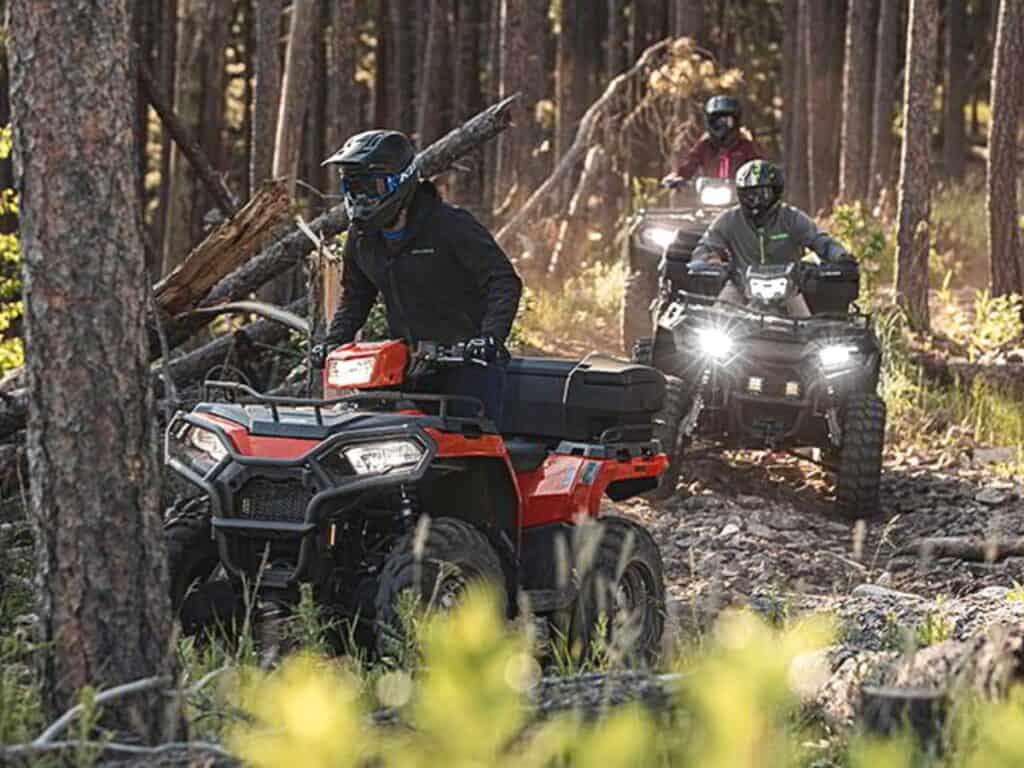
column 440, row 273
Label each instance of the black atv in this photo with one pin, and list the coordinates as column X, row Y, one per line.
column 752, row 376
column 651, row 231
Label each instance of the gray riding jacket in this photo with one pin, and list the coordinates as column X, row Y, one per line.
column 781, row 240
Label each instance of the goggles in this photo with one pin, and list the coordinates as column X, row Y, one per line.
column 722, row 122
column 374, row 187
column 757, row 197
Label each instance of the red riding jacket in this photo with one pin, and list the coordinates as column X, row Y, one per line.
column 705, row 159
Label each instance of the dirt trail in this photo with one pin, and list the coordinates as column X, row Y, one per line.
column 759, row 529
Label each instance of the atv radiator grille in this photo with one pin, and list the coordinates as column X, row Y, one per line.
column 274, row 500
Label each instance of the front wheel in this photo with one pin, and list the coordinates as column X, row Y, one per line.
column 619, row 611
column 860, row 457
column 668, row 429
column 429, row 570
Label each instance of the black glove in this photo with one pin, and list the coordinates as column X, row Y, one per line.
column 318, row 355
column 486, row 349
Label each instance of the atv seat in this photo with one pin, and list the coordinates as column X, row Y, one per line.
column 526, row 455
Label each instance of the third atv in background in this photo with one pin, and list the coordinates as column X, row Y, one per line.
column 651, row 231
column 749, row 376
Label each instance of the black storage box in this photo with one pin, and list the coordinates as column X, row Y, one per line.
column 677, row 255
column 558, row 399
column 831, row 288
column 703, row 279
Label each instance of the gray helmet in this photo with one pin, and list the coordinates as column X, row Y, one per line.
column 722, row 117
column 378, row 177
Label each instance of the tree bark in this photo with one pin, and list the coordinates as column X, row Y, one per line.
column 101, row 589
column 295, row 91
column 267, row 89
column 402, row 83
column 913, row 234
column 688, row 19
column 432, row 83
column 382, row 64
column 168, row 36
column 822, row 60
column 1007, row 261
column 468, row 95
column 954, row 90
column 342, row 99
column 887, row 68
column 855, row 151
column 797, row 155
column 514, row 146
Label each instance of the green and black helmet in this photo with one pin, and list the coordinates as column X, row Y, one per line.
column 378, row 176
column 723, row 116
column 759, row 187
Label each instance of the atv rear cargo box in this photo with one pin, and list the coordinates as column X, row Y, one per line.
column 554, row 399
column 832, row 288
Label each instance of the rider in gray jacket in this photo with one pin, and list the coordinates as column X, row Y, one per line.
column 764, row 230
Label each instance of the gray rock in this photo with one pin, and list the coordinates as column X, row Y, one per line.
column 992, row 497
column 728, row 530
column 992, row 593
column 873, row 590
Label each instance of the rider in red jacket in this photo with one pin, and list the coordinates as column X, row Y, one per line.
column 723, row 149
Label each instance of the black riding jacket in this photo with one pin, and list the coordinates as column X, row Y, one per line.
column 447, row 281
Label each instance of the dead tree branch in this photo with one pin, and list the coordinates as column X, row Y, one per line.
column 583, row 140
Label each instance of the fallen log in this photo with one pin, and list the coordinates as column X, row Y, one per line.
column 963, row 548
column 570, row 234
column 582, row 141
column 294, row 246
column 229, row 246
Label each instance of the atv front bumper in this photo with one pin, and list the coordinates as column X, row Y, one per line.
column 286, row 498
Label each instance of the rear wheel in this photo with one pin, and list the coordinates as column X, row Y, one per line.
column 860, row 457
column 418, row 580
column 620, row 608
column 668, row 430
column 637, row 297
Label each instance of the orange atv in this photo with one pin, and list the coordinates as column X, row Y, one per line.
column 379, row 490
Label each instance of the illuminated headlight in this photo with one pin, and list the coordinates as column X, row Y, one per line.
column 714, row 343
column 205, row 441
column 792, row 389
column 755, row 385
column 836, row 355
column 716, row 195
column 386, row 456
column 768, row 290
column 350, row 373
column 658, row 237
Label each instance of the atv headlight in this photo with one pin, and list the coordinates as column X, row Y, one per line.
column 714, row 343
column 385, row 456
column 207, row 442
column 768, row 289
column 658, row 237
column 716, row 195
column 350, row 373
column 836, row 356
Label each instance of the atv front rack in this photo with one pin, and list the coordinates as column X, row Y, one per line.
column 859, row 318
column 443, row 403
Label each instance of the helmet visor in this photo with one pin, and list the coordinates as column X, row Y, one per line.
column 722, row 123
column 757, row 198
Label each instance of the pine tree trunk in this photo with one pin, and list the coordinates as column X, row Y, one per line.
column 913, row 235
column 688, row 19
column 214, row 80
column 342, row 99
column 615, row 55
column 468, row 95
column 797, row 154
column 295, row 92
column 887, row 67
column 954, row 90
column 514, row 146
column 101, row 587
column 824, row 31
column 858, row 80
column 267, row 90
column 402, row 84
column 431, row 119
column 382, row 64
column 1007, row 261
column 790, row 59
column 167, row 34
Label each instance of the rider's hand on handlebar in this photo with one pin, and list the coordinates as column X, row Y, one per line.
column 482, row 349
column 318, row 355
column 672, row 181
column 717, row 257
